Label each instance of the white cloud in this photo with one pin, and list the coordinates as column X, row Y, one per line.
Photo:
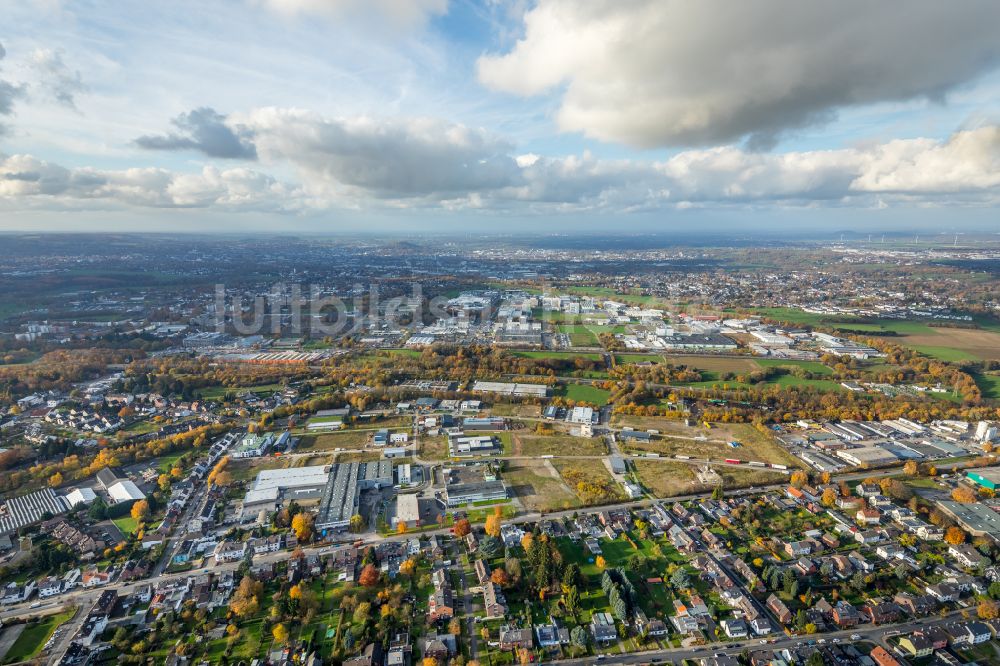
column 63, row 83
column 398, row 13
column 33, row 182
column 673, row 72
column 386, row 158
column 363, row 163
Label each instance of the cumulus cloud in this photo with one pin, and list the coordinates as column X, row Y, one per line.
column 671, row 72
column 8, row 93
column 399, row 13
column 207, row 131
column 385, row 158
column 63, row 83
column 35, row 182
column 407, row 163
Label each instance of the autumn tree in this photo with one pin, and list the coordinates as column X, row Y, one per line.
column 829, row 497
column 601, row 562
column 302, row 525
column 500, row 577
column 280, row 633
column 988, row 610
column 954, row 535
column 401, row 527
column 369, row 576
column 140, row 510
column 463, row 527
column 911, row 468
column 799, row 479
column 492, row 526
column 408, row 567
column 964, row 494
column 357, row 523
column 56, row 480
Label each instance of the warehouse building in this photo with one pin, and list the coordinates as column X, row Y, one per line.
column 976, row 519
column 480, row 445
column 707, row 341
column 987, row 477
column 509, row 388
column 20, row 511
column 867, row 455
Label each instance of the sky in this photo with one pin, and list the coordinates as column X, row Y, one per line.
column 494, row 115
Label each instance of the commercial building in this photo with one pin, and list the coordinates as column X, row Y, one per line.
column 987, row 477
column 976, row 519
column 867, row 455
column 508, row 388
column 708, row 341
column 125, row 491
column 342, row 493
column 408, row 510
column 480, row 445
column 27, row 509
column 475, row 483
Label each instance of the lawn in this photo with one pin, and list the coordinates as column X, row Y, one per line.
column 127, row 524
column 33, row 638
column 989, row 385
column 814, row 367
column 217, row 392
column 164, row 463
column 556, row 355
column 624, row 359
column 579, row 335
column 584, row 393
column 538, row 486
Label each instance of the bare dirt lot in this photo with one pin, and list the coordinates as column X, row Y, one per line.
column 538, row 486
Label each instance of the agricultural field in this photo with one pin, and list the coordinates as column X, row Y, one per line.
column 946, row 344
column 590, row 479
column 565, row 445
column 714, row 363
column 538, row 486
column 584, row 393
column 624, row 359
column 218, row 392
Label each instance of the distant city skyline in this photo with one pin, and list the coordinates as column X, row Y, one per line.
column 453, row 116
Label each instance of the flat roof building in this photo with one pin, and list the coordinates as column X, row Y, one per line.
column 977, row 519
column 475, row 483
column 408, row 509
column 987, row 477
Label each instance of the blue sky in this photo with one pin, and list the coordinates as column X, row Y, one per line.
column 319, row 115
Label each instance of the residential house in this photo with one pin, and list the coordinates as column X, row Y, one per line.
column 917, row 645
column 845, row 615
column 512, row 638
column 780, row 610
column 602, row 627
column 881, row 657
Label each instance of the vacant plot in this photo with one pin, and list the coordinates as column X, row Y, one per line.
column 589, row 479
column 538, row 486
column 754, row 445
column 218, row 392
column 434, row 448
column 748, row 477
column 665, row 478
column 584, row 393
column 544, row 445
column 346, row 439
column 523, row 411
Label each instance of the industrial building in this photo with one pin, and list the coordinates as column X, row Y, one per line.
column 708, row 341
column 976, row 519
column 987, row 477
column 479, row 445
column 867, row 455
column 125, row 491
column 508, row 388
column 475, row 483
column 27, row 509
column 407, row 510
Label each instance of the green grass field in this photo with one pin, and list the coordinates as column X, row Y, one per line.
column 556, row 354
column 579, row 335
column 814, row 367
column 624, row 359
column 34, row 636
column 127, row 524
column 989, row 385
column 218, row 392
column 584, row 393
